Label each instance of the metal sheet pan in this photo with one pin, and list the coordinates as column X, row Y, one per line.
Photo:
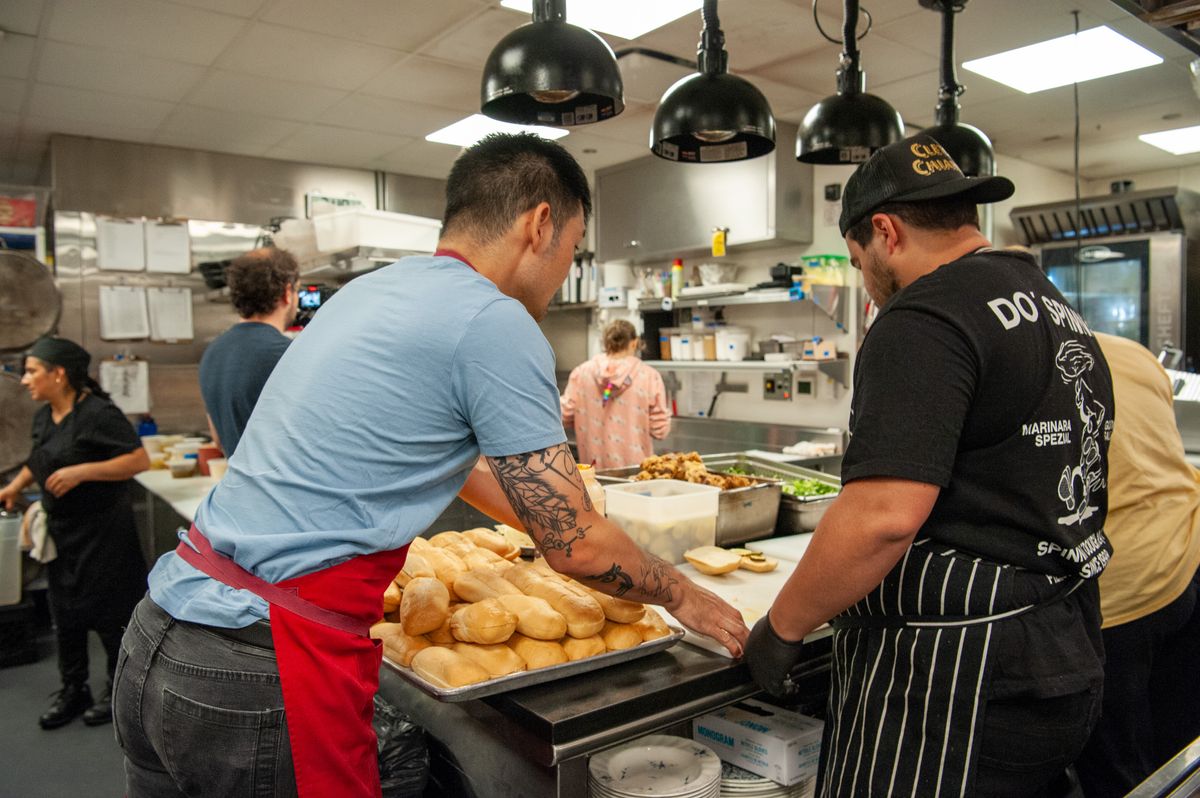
column 515, row 681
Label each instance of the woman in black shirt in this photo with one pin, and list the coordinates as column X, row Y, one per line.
column 85, row 453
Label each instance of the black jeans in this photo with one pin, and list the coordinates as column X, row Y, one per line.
column 1151, row 704
column 1027, row 744
column 198, row 714
column 71, row 626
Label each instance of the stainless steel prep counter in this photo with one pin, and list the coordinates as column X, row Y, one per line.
column 536, row 741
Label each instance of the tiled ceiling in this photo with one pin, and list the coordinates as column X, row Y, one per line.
column 360, row 82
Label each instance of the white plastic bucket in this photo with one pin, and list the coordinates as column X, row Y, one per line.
column 733, row 343
column 10, row 558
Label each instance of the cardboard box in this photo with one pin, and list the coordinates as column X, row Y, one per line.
column 768, row 741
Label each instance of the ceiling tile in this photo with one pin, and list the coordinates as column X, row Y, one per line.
column 240, row 8
column 116, row 72
column 16, row 55
column 471, row 42
column 336, row 146
column 12, row 94
column 757, row 33
column 9, row 122
column 220, row 125
column 394, row 117
column 429, row 82
column 784, row 99
column 647, row 78
column 203, row 140
column 595, row 152
column 48, row 125
column 21, row 16
column 272, row 51
column 232, row 91
column 60, row 102
column 155, row 29
column 882, row 60
column 420, row 158
column 400, row 26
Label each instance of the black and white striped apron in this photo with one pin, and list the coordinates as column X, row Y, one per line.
column 912, row 663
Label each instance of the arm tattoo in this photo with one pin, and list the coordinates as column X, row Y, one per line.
column 657, row 581
column 531, row 481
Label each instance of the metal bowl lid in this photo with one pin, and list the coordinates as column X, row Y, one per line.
column 29, row 301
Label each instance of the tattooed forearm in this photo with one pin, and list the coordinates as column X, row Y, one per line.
column 657, row 582
column 532, row 484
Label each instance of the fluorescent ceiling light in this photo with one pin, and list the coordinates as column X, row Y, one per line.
column 1180, row 141
column 466, row 132
column 1094, row 53
column 628, row 19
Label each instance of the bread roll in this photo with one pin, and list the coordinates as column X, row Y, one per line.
column 492, row 541
column 537, row 653
column 391, row 597
column 481, row 583
column 583, row 647
column 584, row 615
column 535, row 617
column 482, row 558
column 418, row 545
column 712, row 560
column 516, row 537
column 398, row 646
column 446, row 565
column 484, row 621
column 758, row 563
column 618, row 636
column 652, row 626
column 415, row 565
column 424, row 606
column 617, row 609
column 442, row 635
column 497, row 660
column 443, row 538
column 542, row 567
column 444, row 667
column 452, row 542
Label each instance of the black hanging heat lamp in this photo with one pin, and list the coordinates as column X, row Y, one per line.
column 549, row 72
column 967, row 145
column 712, row 116
column 850, row 125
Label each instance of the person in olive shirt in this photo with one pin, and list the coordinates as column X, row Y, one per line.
column 234, row 368
column 958, row 564
column 1149, row 595
column 85, row 453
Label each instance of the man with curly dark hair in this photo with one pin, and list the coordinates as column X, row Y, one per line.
column 234, row 368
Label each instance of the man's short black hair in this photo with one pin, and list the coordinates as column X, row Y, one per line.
column 505, row 175
column 259, row 279
column 946, row 214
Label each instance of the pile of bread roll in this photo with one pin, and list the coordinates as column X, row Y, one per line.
column 466, row 609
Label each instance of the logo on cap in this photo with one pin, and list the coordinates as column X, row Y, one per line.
column 931, row 158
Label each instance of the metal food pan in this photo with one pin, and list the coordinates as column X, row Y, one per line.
column 515, row 681
column 742, row 513
column 796, row 513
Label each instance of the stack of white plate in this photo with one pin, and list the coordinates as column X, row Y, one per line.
column 656, row 765
column 739, row 783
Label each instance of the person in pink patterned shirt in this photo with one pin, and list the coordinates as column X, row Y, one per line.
column 616, row 403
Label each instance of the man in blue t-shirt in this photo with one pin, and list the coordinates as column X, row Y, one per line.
column 425, row 380
column 234, row 368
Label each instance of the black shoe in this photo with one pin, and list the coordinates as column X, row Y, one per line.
column 69, row 703
column 100, row 712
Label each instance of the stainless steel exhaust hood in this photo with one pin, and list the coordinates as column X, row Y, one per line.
column 1125, row 213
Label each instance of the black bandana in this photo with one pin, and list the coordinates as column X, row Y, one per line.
column 61, row 352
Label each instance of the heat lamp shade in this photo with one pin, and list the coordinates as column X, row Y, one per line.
column 968, row 146
column 847, row 128
column 710, row 118
column 552, row 73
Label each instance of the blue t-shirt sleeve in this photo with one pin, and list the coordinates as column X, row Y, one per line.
column 503, row 382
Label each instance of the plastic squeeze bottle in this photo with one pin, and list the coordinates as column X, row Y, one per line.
column 676, row 278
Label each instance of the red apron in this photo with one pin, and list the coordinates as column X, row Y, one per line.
column 328, row 665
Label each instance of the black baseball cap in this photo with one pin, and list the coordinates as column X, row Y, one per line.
column 914, row 169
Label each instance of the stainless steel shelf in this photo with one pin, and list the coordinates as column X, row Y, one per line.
column 835, row 369
column 573, row 306
column 829, row 299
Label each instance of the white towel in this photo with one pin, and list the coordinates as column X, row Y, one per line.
column 43, row 545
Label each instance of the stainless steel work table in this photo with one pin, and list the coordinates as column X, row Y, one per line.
column 536, row 741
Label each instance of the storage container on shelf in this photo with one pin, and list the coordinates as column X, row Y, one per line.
column 710, row 344
column 698, row 345
column 10, row 558
column 664, row 342
column 733, row 343
column 666, row 517
column 681, row 343
column 361, row 227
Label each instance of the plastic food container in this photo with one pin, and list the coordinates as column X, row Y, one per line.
column 733, row 343
column 710, row 345
column 10, row 558
column 698, row 346
column 361, row 227
column 681, row 344
column 664, row 342
column 666, row 517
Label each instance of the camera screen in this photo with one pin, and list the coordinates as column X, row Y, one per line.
column 310, row 298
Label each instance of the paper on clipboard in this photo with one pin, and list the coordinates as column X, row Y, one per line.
column 128, row 383
column 123, row 312
column 168, row 247
column 170, row 314
column 120, row 244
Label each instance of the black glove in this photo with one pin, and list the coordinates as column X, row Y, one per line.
column 771, row 659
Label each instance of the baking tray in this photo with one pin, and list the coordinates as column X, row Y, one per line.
column 515, row 681
column 742, row 513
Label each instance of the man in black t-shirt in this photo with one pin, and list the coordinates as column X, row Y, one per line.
column 959, row 562
column 235, row 367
